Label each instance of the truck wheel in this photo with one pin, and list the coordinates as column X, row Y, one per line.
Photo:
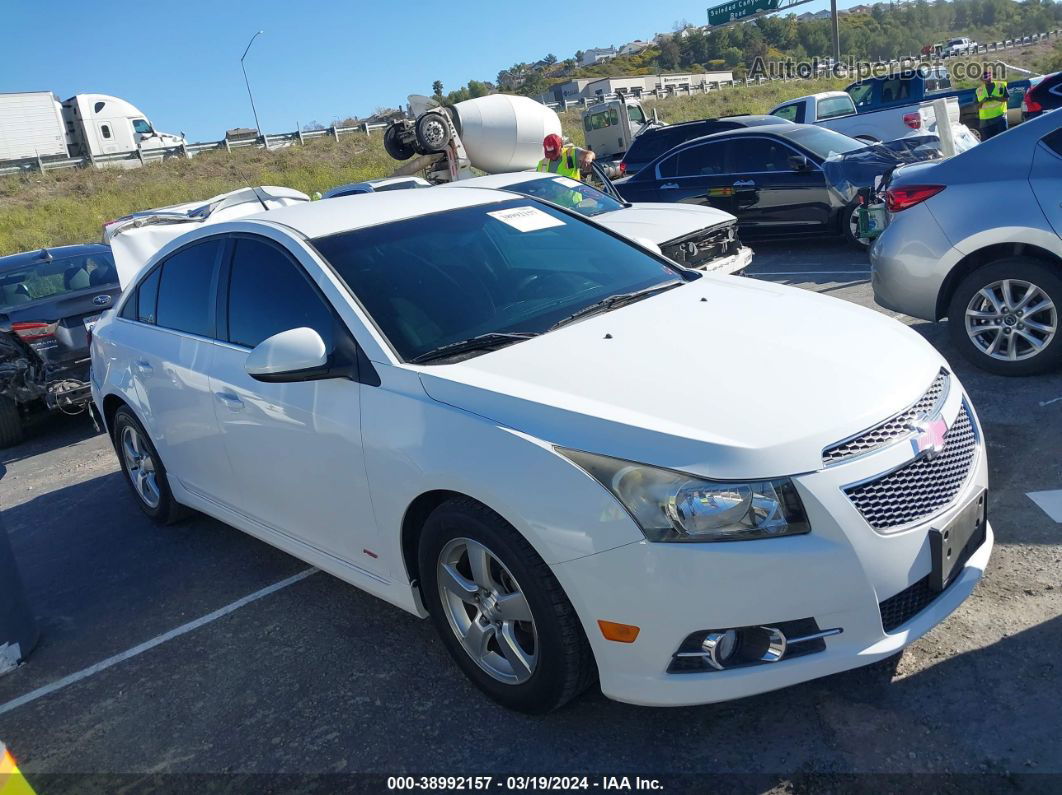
column 850, row 227
column 433, row 133
column 395, row 146
column 499, row 610
column 11, row 431
column 1004, row 317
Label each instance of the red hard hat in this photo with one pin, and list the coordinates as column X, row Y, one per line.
column 552, row 145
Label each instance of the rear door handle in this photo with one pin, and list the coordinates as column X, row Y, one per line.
column 231, row 400
column 669, row 186
column 143, row 366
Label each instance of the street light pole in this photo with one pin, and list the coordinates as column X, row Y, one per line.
column 248, row 82
column 836, row 37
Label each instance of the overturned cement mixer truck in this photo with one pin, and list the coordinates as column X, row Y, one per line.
column 495, row 134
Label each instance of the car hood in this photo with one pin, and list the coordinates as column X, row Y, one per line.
column 661, row 222
column 725, row 377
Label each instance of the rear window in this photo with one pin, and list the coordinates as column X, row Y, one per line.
column 46, row 279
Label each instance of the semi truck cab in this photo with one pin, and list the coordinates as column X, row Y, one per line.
column 98, row 124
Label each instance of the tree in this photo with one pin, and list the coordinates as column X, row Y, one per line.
column 550, row 59
column 437, row 88
column 670, row 54
column 579, row 55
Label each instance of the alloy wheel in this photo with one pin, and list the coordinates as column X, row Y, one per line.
column 140, row 467
column 487, row 611
column 1011, row 320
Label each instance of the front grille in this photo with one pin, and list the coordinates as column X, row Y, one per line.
column 892, row 429
column 704, row 246
column 912, row 600
column 921, row 488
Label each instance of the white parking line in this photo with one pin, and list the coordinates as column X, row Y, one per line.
column 807, row 273
column 1050, row 502
column 84, row 673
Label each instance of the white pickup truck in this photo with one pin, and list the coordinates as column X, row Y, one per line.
column 837, row 111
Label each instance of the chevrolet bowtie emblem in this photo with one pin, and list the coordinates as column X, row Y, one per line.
column 928, row 441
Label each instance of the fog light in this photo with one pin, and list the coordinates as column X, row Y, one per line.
column 719, row 647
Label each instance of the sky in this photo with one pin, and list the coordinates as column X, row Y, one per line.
column 316, row 61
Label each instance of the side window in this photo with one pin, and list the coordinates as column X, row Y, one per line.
column 105, row 129
column 789, row 112
column 587, row 123
column 669, row 167
column 895, row 89
column 1053, row 141
column 703, row 160
column 147, row 297
column 634, row 113
column 760, row 155
column 268, row 293
column 613, row 116
column 832, row 107
column 129, row 307
column 185, row 295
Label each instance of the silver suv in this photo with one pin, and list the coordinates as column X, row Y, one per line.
column 976, row 239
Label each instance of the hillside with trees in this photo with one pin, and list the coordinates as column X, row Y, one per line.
column 886, row 31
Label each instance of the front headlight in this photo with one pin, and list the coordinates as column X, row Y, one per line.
column 674, row 506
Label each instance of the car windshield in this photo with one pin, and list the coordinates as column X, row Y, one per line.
column 568, row 193
column 48, row 278
column 824, row 143
column 514, row 267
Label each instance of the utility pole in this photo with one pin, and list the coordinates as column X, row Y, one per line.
column 259, row 33
column 836, row 36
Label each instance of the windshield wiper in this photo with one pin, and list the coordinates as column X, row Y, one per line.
column 492, row 339
column 613, row 302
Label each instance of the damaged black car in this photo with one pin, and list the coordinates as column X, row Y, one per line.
column 49, row 300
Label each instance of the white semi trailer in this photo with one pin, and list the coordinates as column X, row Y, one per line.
column 35, row 124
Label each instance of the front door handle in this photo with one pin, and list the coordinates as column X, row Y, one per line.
column 230, row 400
column 669, row 186
column 143, row 366
column 745, row 183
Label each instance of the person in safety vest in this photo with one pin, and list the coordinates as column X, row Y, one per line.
column 991, row 98
column 566, row 160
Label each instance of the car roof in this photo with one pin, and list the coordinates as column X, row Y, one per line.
column 345, row 213
column 55, row 252
column 782, row 128
column 370, row 185
column 499, row 181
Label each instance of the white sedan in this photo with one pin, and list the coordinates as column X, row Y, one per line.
column 579, row 459
column 695, row 236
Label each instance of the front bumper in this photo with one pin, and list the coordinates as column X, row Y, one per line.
column 838, row 575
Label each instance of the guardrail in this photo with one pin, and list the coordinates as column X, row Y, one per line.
column 279, row 140
column 138, row 158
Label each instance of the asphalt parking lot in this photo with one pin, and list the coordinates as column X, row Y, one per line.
column 319, row 678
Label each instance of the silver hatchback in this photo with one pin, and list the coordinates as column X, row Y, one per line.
column 976, row 239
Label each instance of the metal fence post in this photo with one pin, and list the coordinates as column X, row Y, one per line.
column 298, row 131
column 334, row 131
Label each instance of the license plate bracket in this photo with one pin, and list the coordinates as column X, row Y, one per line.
column 952, row 545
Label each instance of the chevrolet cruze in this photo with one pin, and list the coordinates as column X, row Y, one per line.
column 581, row 460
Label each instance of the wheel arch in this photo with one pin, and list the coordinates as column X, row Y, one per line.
column 984, row 256
column 413, row 520
column 111, row 404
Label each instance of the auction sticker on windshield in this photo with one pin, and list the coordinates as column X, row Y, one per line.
column 526, row 219
column 567, row 182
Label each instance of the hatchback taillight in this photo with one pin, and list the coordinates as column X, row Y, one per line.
column 34, row 331
column 901, row 198
column 913, row 120
column 622, row 167
column 1030, row 105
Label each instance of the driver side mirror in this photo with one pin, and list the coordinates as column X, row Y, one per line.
column 298, row 354
column 798, row 163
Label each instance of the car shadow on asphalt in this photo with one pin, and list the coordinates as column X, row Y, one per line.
column 45, row 431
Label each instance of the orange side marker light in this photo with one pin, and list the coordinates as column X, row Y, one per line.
column 620, row 633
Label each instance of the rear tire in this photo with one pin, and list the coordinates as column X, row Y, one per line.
column 433, row 132
column 144, row 471
column 11, row 429
column 850, row 227
column 972, row 317
column 555, row 661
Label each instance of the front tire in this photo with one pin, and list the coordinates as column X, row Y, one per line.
column 499, row 610
column 1004, row 317
column 850, row 227
column 143, row 469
